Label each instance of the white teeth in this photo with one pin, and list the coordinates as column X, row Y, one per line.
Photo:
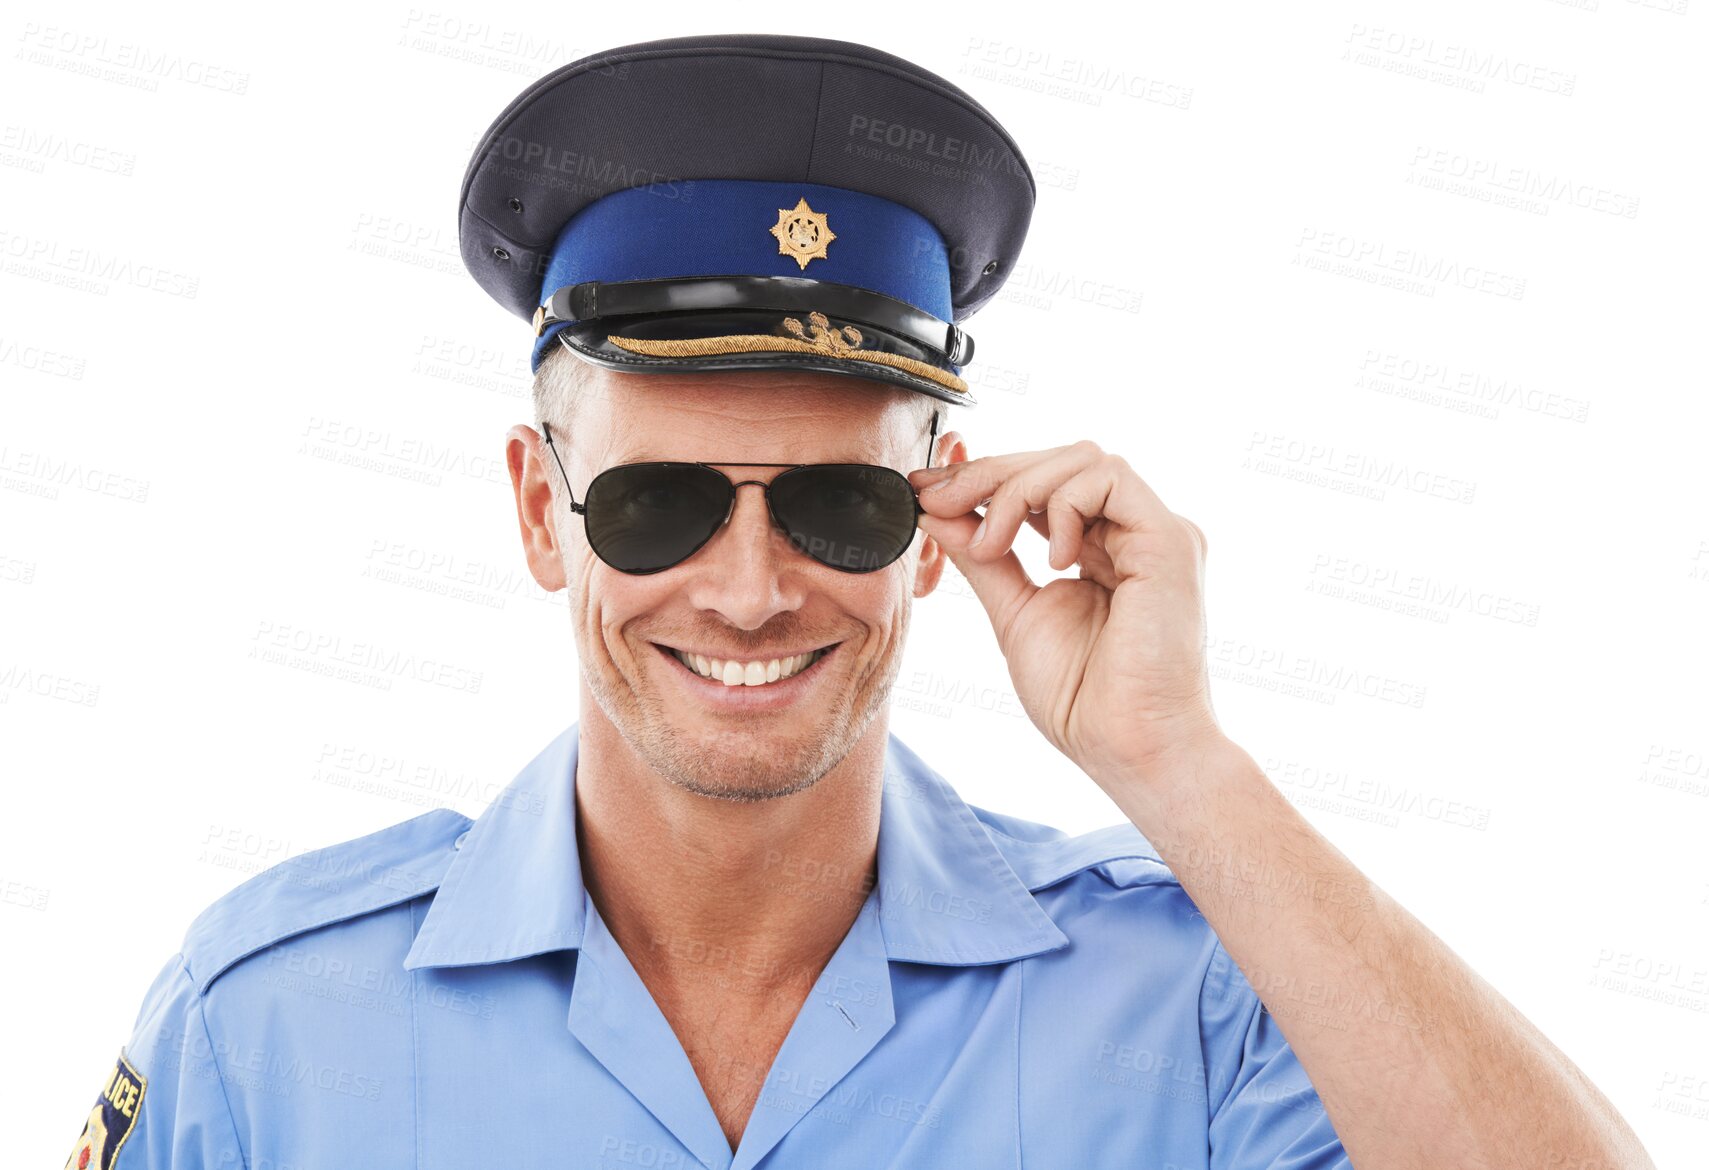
column 751, row 674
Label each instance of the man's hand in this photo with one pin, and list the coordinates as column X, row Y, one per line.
column 1110, row 667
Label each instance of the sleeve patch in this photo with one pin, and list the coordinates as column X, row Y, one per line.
column 111, row 1120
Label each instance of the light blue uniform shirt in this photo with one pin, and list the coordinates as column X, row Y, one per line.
column 443, row 995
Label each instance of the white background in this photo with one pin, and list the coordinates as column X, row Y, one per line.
column 1402, row 303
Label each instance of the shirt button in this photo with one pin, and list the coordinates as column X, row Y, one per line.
column 458, row 843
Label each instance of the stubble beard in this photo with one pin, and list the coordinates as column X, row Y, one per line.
column 732, row 763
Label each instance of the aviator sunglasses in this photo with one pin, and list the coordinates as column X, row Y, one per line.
column 647, row 517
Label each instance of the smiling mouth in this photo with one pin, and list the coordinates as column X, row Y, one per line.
column 752, row 672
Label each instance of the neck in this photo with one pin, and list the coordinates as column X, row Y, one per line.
column 743, row 898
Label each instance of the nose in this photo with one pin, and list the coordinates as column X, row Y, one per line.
column 744, row 571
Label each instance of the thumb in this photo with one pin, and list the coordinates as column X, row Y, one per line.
column 1002, row 585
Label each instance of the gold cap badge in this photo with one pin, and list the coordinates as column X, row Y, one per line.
column 802, row 233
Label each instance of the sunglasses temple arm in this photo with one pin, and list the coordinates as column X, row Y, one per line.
column 932, row 439
column 575, row 507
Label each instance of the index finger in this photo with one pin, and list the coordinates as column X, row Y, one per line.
column 987, row 471
column 1122, row 496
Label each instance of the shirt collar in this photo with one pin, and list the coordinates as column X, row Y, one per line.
column 946, row 894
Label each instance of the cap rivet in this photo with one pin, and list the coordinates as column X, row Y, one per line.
column 515, row 204
column 990, row 268
column 501, row 254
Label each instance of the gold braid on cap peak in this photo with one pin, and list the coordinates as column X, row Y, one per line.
column 843, row 342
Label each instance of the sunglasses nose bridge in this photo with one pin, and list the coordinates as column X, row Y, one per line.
column 765, row 490
column 776, row 526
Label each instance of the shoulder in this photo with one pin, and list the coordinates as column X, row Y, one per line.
column 1129, row 924
column 1043, row 856
column 291, row 950
column 1109, row 891
column 352, row 879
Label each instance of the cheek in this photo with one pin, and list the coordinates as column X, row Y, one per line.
column 584, row 590
column 880, row 604
column 605, row 603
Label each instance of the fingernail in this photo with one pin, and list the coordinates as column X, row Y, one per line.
column 978, row 535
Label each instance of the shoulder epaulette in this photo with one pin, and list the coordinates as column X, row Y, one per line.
column 1042, row 856
column 319, row 888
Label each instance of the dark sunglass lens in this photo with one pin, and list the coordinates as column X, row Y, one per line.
column 643, row 517
column 845, row 515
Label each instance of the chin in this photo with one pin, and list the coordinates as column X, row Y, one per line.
column 744, row 760
column 744, row 766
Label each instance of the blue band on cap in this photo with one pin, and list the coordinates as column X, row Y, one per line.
column 722, row 227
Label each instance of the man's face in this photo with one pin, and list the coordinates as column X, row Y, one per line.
column 747, row 596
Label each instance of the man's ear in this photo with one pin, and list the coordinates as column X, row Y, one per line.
column 930, row 569
column 528, row 460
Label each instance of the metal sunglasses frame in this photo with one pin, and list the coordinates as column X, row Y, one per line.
column 764, row 486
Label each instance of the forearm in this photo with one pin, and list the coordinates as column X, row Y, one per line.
column 1419, row 1061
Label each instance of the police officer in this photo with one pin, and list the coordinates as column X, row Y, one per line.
column 726, row 919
